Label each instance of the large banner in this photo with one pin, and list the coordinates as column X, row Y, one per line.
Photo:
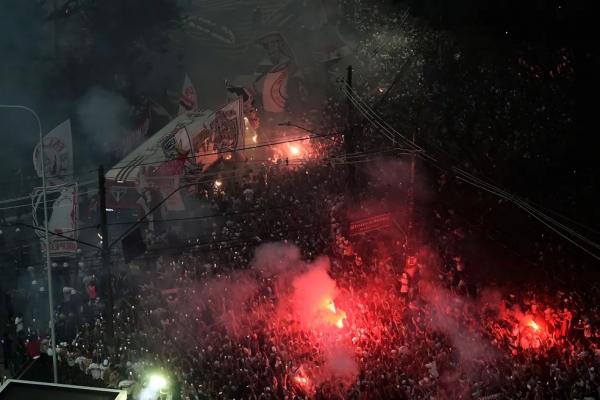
column 62, row 219
column 222, row 132
column 192, row 141
column 58, row 154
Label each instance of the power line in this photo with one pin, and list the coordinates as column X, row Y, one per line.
column 468, row 178
column 196, row 155
column 29, row 197
column 28, row 179
column 214, row 242
column 266, row 144
column 220, row 177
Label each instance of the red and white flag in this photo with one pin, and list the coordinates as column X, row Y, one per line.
column 189, row 99
column 58, row 154
column 221, row 132
column 274, row 89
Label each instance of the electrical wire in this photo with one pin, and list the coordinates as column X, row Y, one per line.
column 261, row 145
column 29, row 197
column 549, row 222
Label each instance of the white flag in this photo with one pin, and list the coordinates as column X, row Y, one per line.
column 274, row 89
column 58, row 154
column 189, row 99
column 62, row 220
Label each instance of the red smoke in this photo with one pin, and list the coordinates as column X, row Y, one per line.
column 313, row 298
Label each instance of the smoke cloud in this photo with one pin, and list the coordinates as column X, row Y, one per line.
column 103, row 117
column 280, row 290
column 447, row 309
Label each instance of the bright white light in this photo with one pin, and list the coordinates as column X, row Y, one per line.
column 157, row 382
column 110, row 210
column 294, row 150
column 218, row 184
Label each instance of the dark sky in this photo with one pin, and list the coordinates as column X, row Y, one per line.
column 28, row 72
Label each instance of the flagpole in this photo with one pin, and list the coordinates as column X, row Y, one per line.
column 46, row 238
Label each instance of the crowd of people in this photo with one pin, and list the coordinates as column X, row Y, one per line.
column 416, row 323
column 415, row 319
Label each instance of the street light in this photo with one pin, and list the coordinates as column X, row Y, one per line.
column 46, row 238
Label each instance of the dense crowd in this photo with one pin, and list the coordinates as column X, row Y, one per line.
column 417, row 328
column 418, row 324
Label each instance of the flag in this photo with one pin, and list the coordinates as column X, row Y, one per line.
column 221, row 132
column 274, row 89
column 195, row 137
column 58, row 154
column 62, row 220
column 189, row 99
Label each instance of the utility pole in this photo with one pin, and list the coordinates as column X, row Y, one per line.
column 106, row 256
column 349, row 136
column 46, row 237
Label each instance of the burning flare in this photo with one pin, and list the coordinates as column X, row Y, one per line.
column 534, row 325
column 332, row 315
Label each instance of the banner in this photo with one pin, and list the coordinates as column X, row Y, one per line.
column 193, row 139
column 58, row 154
column 370, row 224
column 189, row 98
column 62, row 220
column 274, row 89
column 222, row 132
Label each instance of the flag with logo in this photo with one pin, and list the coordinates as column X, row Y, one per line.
column 274, row 88
column 58, row 155
column 192, row 140
column 221, row 132
column 189, row 99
